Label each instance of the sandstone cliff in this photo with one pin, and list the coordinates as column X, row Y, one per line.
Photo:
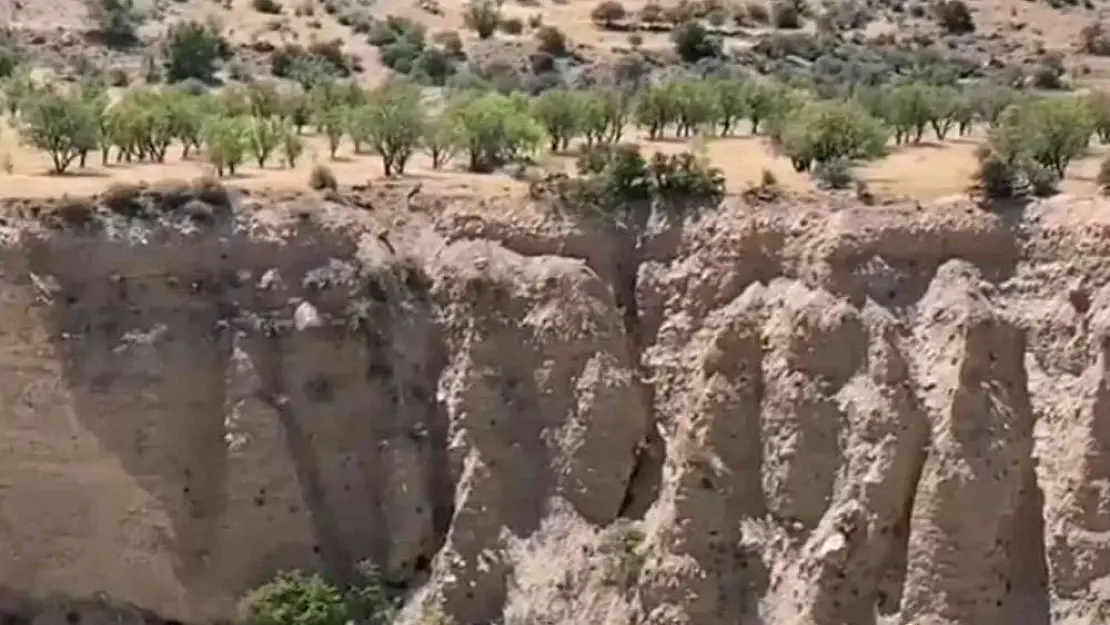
column 775, row 415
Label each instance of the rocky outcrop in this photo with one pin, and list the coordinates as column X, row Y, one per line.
column 784, row 415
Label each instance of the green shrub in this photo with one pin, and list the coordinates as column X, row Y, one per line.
column 114, row 21
column 607, row 13
column 320, row 178
column 551, row 40
column 693, row 42
column 954, row 17
column 269, row 7
column 296, row 598
column 483, row 16
column 194, row 50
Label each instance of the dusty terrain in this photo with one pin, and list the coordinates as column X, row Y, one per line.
column 781, row 414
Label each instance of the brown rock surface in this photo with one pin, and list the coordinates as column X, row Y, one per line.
column 783, row 415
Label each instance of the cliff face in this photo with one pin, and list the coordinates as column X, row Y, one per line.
column 785, row 415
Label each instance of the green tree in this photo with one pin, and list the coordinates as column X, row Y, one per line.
column 1051, row 132
column 264, row 135
column 824, row 131
column 226, row 141
column 910, row 111
column 194, row 50
column 604, row 116
column 657, row 108
column 696, row 106
column 495, row 129
column 731, row 103
column 989, row 101
column 440, row 140
column 561, row 112
column 395, row 124
column 763, row 100
column 63, row 125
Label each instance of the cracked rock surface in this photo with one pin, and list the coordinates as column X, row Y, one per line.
column 772, row 415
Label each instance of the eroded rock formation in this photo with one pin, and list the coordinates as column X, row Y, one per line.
column 785, row 415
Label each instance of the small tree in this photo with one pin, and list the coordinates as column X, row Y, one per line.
column 824, row 131
column 440, row 141
column 730, row 102
column 265, row 134
column 63, row 125
column 395, row 124
column 114, row 21
column 194, row 50
column 1051, row 131
column 292, row 145
column 607, row 13
column 226, row 141
column 483, row 16
column 561, row 112
column 495, row 129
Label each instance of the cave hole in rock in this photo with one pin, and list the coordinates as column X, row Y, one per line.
column 73, row 617
column 422, row 564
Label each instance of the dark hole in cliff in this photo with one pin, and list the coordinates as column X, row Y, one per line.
column 706, row 483
column 891, row 294
column 259, row 501
column 375, row 291
column 73, row 617
column 316, row 549
column 71, row 299
column 1080, row 300
column 319, row 389
column 186, row 490
column 423, row 563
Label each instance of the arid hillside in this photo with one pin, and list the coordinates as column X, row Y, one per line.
column 784, row 413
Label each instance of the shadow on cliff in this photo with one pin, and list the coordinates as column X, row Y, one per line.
column 146, row 334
